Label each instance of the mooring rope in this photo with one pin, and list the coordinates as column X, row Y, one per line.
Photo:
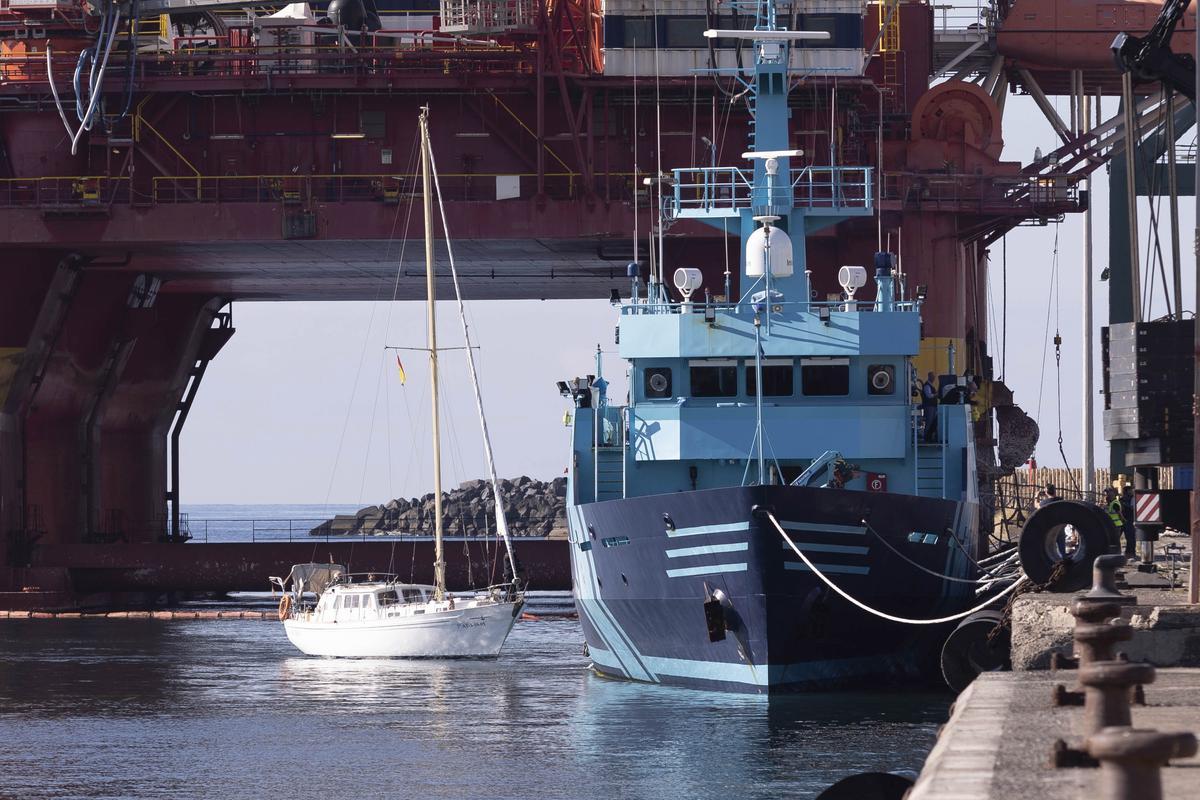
column 890, row 546
column 883, row 614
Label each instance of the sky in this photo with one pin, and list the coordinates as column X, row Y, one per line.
column 305, row 406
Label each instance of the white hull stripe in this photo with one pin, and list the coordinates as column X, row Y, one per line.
column 712, row 569
column 823, row 527
column 844, row 569
column 712, row 549
column 700, row 530
column 849, row 549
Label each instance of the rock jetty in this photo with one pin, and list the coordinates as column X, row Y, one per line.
column 532, row 508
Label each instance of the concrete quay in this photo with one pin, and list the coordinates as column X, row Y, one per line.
column 1166, row 629
column 1002, row 729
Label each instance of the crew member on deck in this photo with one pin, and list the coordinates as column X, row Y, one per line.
column 929, row 404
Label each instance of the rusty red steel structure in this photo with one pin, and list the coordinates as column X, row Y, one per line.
column 245, row 172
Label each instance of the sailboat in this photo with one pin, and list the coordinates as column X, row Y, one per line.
column 377, row 616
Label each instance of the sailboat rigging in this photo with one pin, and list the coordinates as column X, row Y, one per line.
column 377, row 616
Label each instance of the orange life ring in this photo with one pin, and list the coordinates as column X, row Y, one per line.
column 285, row 607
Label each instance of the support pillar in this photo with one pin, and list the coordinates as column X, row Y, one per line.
column 60, row 425
column 38, row 290
column 133, row 456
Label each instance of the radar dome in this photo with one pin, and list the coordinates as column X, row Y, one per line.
column 781, row 253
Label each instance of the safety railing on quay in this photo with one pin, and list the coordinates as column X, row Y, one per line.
column 302, row 530
column 726, row 191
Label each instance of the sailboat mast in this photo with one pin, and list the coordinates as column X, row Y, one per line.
column 439, row 563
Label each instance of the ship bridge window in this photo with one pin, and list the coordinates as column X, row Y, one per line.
column 777, row 378
column 824, row 377
column 639, row 32
column 686, row 32
column 713, row 378
column 881, row 379
column 656, row 383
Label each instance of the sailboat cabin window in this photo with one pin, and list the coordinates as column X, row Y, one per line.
column 778, row 380
column 824, row 377
column 388, row 598
column 713, row 378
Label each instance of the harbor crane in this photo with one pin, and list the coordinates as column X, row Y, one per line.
column 1150, row 58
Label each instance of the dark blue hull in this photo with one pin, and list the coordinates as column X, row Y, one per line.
column 643, row 568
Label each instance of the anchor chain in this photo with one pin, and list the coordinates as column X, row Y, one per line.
column 1056, row 574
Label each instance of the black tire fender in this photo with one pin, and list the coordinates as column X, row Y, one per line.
column 1038, row 547
column 967, row 652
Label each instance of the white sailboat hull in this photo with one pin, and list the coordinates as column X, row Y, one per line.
column 476, row 632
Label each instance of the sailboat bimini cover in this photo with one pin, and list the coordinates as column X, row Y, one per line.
column 313, row 577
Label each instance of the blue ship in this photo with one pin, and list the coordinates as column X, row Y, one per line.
column 770, row 448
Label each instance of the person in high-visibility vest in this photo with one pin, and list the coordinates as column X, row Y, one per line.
column 1112, row 505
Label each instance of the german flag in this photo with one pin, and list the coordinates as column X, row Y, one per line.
column 400, row 369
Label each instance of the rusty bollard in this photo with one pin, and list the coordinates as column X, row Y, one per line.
column 1095, row 640
column 1096, row 637
column 1107, row 687
column 1104, row 580
column 1131, row 760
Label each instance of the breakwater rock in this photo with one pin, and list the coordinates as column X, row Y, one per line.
column 531, row 507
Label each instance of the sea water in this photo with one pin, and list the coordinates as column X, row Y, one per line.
column 229, row 709
column 129, row 708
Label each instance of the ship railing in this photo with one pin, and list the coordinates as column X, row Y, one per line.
column 966, row 16
column 786, row 307
column 99, row 191
column 385, row 54
column 79, row 191
column 387, row 188
column 727, row 191
column 1051, row 194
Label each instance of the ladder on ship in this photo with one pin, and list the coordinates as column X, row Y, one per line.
column 610, row 473
column 931, row 470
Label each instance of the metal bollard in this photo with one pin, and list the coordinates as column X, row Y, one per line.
column 1107, row 686
column 1095, row 640
column 1104, row 580
column 1095, row 637
column 1131, row 760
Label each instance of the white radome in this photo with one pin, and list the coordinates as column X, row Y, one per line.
column 781, row 253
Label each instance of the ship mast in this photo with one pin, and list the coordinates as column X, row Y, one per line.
column 439, row 563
